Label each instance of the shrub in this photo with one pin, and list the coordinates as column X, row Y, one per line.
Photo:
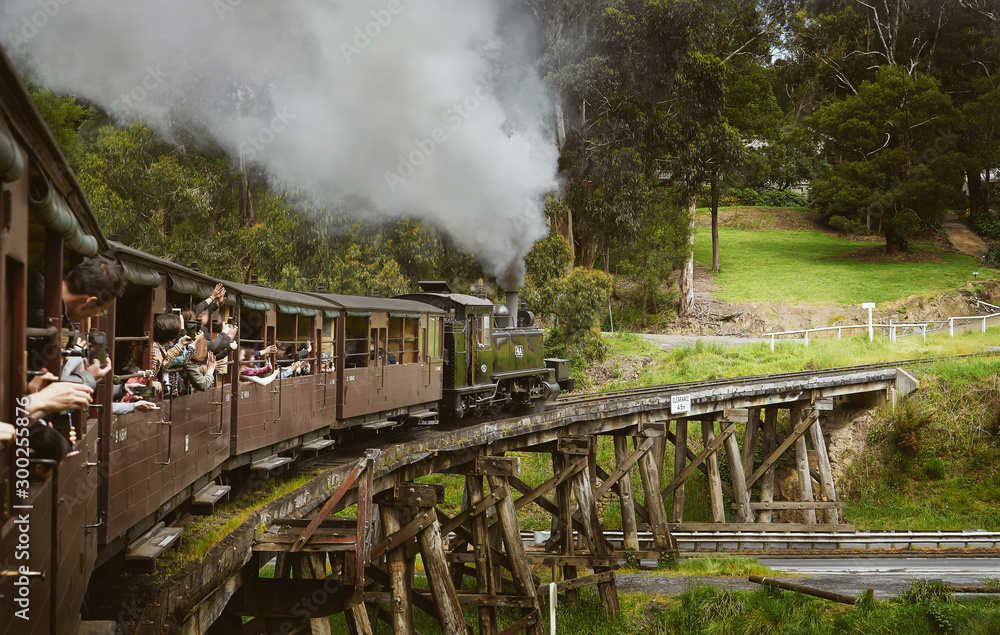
column 985, row 223
column 992, row 257
column 934, row 468
column 846, row 225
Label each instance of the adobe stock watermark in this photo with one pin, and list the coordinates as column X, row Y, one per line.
column 452, row 119
column 222, row 7
column 363, row 35
column 251, row 147
column 153, row 79
column 32, row 25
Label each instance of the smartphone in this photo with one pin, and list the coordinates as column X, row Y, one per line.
column 98, row 347
column 231, row 320
column 147, row 393
column 192, row 327
column 176, row 310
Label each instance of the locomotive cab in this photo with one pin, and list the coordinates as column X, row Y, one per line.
column 490, row 364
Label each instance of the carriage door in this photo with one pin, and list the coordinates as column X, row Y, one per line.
column 377, row 347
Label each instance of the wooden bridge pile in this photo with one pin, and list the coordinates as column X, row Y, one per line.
column 366, row 566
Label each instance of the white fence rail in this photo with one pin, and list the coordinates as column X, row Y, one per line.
column 891, row 328
column 894, row 327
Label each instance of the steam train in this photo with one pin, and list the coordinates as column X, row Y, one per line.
column 455, row 356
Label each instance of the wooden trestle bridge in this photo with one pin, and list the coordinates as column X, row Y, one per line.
column 364, row 566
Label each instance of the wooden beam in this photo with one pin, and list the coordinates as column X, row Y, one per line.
column 701, row 458
column 827, row 488
column 750, row 441
column 704, row 470
column 542, row 502
column 401, row 614
column 714, row 477
column 680, row 457
column 802, row 464
column 397, row 538
column 481, row 552
column 742, row 500
column 521, row 571
column 594, row 533
column 412, row 495
column 650, row 478
column 498, row 465
column 442, row 589
column 577, row 583
column 574, row 445
column 773, row 457
column 799, row 505
column 463, row 517
column 544, row 488
column 770, row 441
column 630, row 532
column 623, row 467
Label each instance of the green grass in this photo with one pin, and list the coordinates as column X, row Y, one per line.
column 705, row 361
column 812, row 267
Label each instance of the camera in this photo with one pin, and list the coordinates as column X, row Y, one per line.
column 98, row 347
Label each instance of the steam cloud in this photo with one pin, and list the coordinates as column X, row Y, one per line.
column 395, row 103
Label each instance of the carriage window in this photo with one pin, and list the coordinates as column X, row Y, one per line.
column 483, row 335
column 403, row 338
column 356, row 342
column 329, row 352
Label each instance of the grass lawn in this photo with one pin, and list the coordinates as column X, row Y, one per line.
column 812, row 267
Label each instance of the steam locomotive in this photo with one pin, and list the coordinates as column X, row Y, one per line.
column 374, row 365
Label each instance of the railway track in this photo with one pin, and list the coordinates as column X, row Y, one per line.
column 681, row 386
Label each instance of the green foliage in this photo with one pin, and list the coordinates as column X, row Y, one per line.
column 549, row 259
column 64, row 118
column 985, row 223
column 992, row 258
column 578, row 302
column 882, row 163
column 847, row 226
column 768, row 198
column 927, row 592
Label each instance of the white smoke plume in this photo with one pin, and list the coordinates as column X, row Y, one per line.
column 395, row 103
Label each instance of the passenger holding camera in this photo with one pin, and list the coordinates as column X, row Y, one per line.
column 87, row 292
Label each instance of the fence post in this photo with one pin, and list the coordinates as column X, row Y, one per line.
column 838, row 332
column 772, row 343
column 807, row 338
column 984, row 324
column 951, row 327
column 924, row 329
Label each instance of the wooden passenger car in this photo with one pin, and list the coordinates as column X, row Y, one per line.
column 48, row 539
column 373, row 392
column 135, row 472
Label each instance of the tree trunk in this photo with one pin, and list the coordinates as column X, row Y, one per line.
column 716, row 265
column 686, row 306
column 588, row 253
column 977, row 195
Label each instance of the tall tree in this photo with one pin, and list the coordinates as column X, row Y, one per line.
column 891, row 154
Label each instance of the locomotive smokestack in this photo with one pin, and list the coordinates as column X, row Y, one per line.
column 512, row 306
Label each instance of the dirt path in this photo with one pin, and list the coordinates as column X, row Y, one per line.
column 963, row 239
